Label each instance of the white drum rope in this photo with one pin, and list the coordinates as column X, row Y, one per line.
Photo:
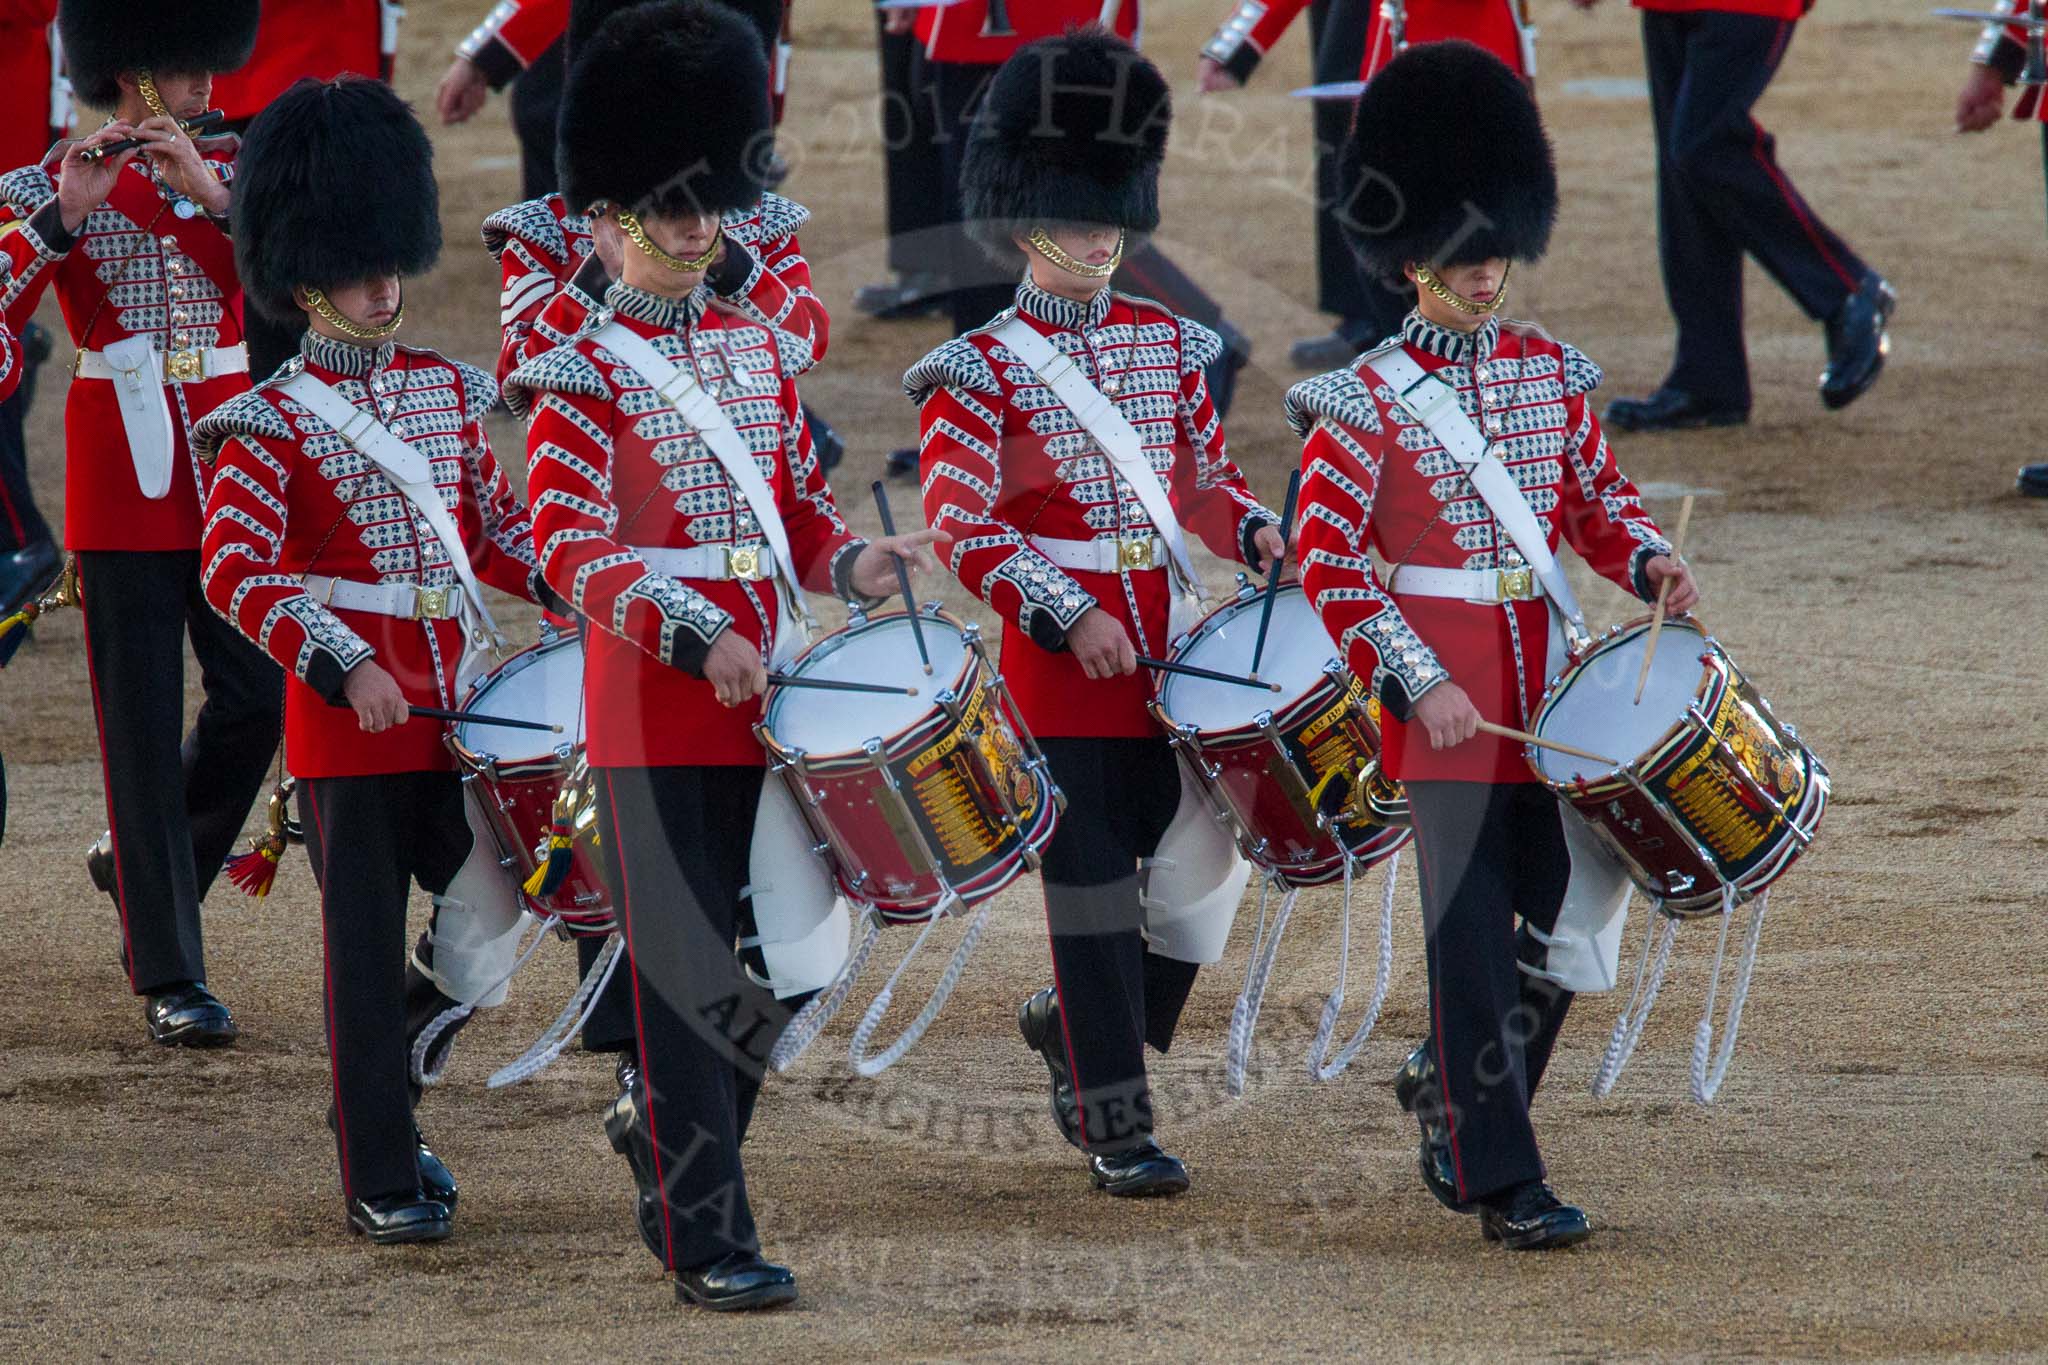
column 1244, row 1015
column 810, row 1021
column 455, row 1014
column 857, row 1051
column 1706, row 1083
column 1628, row 1025
column 1327, row 1028
column 582, row 1004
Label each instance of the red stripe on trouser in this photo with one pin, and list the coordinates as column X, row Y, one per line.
column 327, row 984
column 1436, row 1017
column 1066, row 1037
column 1791, row 197
column 14, row 523
column 668, row 1233
column 107, row 783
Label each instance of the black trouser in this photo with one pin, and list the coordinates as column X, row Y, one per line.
column 1721, row 193
column 368, row 839
column 910, row 155
column 20, row 523
column 1489, row 855
column 610, row 1025
column 1365, row 307
column 536, row 107
column 980, row 288
column 676, row 845
column 1115, row 995
column 175, row 813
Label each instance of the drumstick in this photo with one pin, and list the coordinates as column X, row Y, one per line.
column 1489, row 728
column 833, row 685
column 1208, row 675
column 903, row 578
column 1273, row 573
column 1663, row 596
column 470, row 717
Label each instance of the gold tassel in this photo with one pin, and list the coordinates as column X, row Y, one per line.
column 256, row 871
column 556, row 862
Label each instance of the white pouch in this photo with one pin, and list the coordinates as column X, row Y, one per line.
column 145, row 412
column 1191, row 886
column 803, row 928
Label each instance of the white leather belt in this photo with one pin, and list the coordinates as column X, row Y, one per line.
column 748, row 563
column 407, row 601
column 178, row 367
column 1109, row 555
column 1490, row 586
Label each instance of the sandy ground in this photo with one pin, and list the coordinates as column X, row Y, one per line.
column 1872, row 1182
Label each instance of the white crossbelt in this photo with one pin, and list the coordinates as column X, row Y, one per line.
column 716, row 563
column 407, row 601
column 1109, row 555
column 172, row 367
column 1488, row 586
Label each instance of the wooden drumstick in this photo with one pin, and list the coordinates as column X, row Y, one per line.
column 1487, row 727
column 1663, row 596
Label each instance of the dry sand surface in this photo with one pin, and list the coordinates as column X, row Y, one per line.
column 1872, row 1182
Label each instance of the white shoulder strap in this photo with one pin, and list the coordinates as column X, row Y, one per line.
column 1434, row 404
column 678, row 387
column 410, row 472
column 1101, row 419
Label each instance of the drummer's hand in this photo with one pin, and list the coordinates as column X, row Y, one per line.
column 1448, row 714
column 374, row 694
column 1981, row 102
column 1271, row 545
column 1099, row 642
column 874, row 570
column 734, row 668
column 1685, row 593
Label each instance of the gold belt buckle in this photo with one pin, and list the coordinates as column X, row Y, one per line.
column 430, row 604
column 744, row 563
column 1517, row 585
column 184, row 367
column 1135, row 553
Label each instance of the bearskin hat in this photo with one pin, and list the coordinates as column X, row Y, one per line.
column 103, row 38
column 587, row 16
column 666, row 110
column 1447, row 163
column 334, row 183
column 1072, row 130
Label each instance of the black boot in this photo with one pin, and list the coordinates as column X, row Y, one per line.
column 1138, row 1172
column 1415, row 1089
column 1530, row 1218
column 1670, row 409
column 1038, row 1019
column 2033, row 481
column 1858, row 342
column 407, row 1216
column 736, row 1283
column 625, row 1124
column 186, row 1014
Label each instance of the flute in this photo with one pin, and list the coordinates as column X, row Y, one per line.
column 193, row 127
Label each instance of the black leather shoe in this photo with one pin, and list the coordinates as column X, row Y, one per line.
column 1038, row 1019
column 99, row 865
column 1531, row 1218
column 625, row 1125
column 1670, row 409
column 736, row 1284
column 1139, row 1172
column 188, row 1015
column 912, row 295
column 1416, row 1078
column 901, row 464
column 437, row 1182
column 626, row 1071
column 405, row 1217
column 1857, row 342
column 26, row 573
column 2033, row 481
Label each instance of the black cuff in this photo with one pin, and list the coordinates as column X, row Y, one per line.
column 733, row 270
column 591, row 278
column 1247, row 535
column 47, row 223
column 549, row 599
column 499, row 63
column 1394, row 699
column 325, row 675
column 1045, row 632
column 842, row 572
column 1639, row 573
column 688, row 653
column 1242, row 62
column 2008, row 59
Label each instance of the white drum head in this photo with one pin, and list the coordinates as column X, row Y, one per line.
column 544, row 683
column 1596, row 710
column 1297, row 649
column 883, row 651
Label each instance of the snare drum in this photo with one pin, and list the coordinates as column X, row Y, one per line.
column 1714, row 796
column 519, row 775
column 1296, row 772
column 916, row 802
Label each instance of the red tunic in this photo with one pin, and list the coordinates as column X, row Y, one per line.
column 289, row 497
column 964, row 32
column 134, row 268
column 1374, row 480
column 1004, row 461
column 317, row 38
column 612, row 467
column 550, row 285
column 27, row 122
column 512, row 35
column 1496, row 25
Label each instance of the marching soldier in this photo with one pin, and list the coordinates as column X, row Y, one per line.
column 679, row 506
column 355, row 504
column 1021, row 418
column 1460, row 632
column 135, row 246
